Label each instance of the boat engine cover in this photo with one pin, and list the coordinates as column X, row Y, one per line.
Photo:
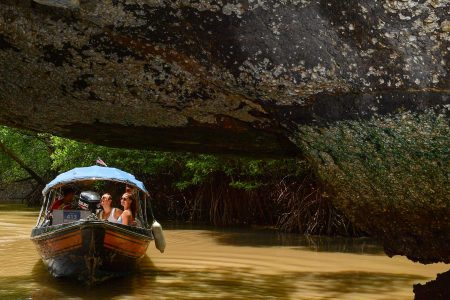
column 89, row 200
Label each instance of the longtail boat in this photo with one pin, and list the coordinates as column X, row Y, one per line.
column 74, row 242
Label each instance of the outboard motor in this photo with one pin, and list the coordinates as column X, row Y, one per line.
column 89, row 200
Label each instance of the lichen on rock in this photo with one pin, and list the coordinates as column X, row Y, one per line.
column 70, row 4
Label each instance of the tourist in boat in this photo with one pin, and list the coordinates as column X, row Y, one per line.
column 66, row 201
column 108, row 213
column 129, row 209
column 129, row 189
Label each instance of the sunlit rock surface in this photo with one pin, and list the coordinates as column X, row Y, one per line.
column 360, row 88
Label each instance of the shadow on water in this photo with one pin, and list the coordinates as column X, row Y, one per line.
column 370, row 283
column 57, row 288
column 222, row 283
column 241, row 283
column 272, row 238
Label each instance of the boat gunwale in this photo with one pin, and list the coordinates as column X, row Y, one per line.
column 78, row 225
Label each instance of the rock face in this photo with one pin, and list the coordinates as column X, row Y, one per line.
column 359, row 88
column 434, row 289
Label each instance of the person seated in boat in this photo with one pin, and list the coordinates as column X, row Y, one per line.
column 130, row 190
column 108, row 213
column 128, row 202
column 66, row 201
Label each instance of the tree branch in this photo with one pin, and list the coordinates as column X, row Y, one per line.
column 15, row 158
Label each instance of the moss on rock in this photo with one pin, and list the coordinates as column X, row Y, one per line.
column 391, row 176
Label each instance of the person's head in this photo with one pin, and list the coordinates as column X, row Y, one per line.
column 68, row 193
column 106, row 200
column 129, row 189
column 128, row 201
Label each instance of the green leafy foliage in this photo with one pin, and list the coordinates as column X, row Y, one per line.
column 221, row 190
column 188, row 169
column 44, row 153
column 69, row 154
column 32, row 148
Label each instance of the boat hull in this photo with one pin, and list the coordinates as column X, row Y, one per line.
column 91, row 250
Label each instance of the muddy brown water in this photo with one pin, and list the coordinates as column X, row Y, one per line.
column 206, row 263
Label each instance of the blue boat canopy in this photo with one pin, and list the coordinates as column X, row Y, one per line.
column 94, row 173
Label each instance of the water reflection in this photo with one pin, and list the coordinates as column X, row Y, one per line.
column 314, row 243
column 271, row 238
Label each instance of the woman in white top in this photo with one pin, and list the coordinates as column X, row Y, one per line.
column 108, row 213
column 129, row 209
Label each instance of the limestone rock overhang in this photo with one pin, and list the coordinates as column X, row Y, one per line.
column 206, row 76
